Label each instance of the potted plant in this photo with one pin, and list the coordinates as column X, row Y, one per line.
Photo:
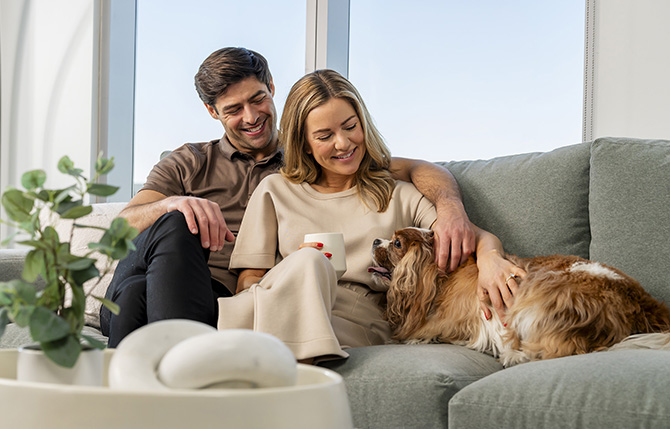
column 55, row 314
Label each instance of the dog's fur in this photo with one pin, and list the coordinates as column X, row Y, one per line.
column 565, row 305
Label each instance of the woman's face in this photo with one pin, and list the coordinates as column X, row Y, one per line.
column 336, row 141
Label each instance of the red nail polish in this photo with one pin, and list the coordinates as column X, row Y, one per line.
column 328, row 255
column 319, row 244
column 505, row 325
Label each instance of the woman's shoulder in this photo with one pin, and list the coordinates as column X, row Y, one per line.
column 274, row 183
column 405, row 189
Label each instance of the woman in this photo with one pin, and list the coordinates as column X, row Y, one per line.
column 336, row 179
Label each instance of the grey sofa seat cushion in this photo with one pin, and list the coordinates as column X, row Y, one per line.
column 622, row 389
column 12, row 264
column 536, row 203
column 408, row 386
column 629, row 207
column 16, row 336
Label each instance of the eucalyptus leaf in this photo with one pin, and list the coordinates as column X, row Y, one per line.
column 94, row 342
column 66, row 166
column 21, row 314
column 76, row 212
column 50, row 237
column 25, row 292
column 79, row 263
column 9, row 239
column 5, row 298
column 103, row 165
column 46, row 326
column 4, row 320
column 44, row 195
column 63, row 195
column 34, row 243
column 17, row 205
column 33, row 179
column 111, row 305
column 64, row 351
column 79, row 277
column 102, row 190
column 34, row 264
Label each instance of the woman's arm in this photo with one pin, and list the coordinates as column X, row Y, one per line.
column 455, row 237
column 494, row 274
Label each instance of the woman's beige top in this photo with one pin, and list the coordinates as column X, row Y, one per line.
column 280, row 213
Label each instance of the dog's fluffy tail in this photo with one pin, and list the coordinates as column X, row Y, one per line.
column 653, row 341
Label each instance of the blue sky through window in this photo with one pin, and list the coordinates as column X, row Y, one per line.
column 443, row 79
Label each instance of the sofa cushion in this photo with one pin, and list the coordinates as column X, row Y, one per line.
column 16, row 336
column 536, row 203
column 101, row 216
column 629, row 207
column 403, row 386
column 598, row 390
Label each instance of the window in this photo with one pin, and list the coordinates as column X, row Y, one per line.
column 452, row 80
column 174, row 37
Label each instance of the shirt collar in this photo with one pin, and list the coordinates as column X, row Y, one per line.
column 230, row 152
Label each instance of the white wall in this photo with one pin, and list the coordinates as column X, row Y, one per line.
column 630, row 53
column 47, row 87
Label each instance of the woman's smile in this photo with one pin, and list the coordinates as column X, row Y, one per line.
column 336, row 140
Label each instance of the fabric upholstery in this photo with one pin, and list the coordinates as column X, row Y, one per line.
column 408, row 386
column 621, row 389
column 536, row 203
column 629, row 206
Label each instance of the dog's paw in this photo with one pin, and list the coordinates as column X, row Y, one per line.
column 511, row 357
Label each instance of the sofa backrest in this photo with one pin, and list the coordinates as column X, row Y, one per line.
column 608, row 201
column 629, row 208
column 536, row 203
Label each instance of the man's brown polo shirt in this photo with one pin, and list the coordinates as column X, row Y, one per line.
column 220, row 173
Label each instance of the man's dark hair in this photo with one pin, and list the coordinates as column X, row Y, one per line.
column 226, row 67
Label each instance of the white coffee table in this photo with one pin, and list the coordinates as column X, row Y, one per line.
column 318, row 400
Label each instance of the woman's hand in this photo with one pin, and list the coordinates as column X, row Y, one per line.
column 248, row 277
column 315, row 245
column 497, row 282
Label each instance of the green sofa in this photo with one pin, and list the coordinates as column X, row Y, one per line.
column 608, row 200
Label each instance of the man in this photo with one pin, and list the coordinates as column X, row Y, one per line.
column 179, row 268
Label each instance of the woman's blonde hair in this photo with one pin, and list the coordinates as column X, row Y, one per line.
column 373, row 177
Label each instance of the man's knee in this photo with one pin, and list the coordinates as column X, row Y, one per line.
column 173, row 225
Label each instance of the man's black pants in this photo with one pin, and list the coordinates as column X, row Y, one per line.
column 166, row 277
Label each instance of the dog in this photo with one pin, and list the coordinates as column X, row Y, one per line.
column 565, row 305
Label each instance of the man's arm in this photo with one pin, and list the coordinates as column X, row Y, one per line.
column 201, row 215
column 455, row 236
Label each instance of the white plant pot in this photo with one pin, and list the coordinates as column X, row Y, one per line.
column 33, row 365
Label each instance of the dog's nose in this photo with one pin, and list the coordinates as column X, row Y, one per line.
column 376, row 243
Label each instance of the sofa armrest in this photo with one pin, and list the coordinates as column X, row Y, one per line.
column 11, row 263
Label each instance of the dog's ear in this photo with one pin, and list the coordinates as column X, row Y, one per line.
column 412, row 291
column 430, row 237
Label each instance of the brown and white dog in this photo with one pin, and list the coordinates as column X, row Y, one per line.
column 565, row 305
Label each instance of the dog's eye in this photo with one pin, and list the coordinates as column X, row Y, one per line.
column 397, row 244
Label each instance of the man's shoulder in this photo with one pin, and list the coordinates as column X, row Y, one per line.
column 197, row 153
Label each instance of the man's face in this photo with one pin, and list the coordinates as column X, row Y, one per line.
column 249, row 117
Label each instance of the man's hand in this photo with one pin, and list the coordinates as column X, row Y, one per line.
column 203, row 216
column 454, row 236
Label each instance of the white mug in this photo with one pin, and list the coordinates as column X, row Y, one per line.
column 333, row 243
